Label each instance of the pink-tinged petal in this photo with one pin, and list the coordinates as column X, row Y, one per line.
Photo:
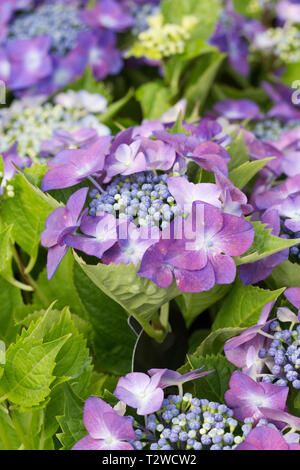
column 284, row 314
column 55, row 255
column 236, row 236
column 88, row 443
column 152, row 265
column 93, row 411
column 224, row 268
column 281, row 416
column 159, row 156
column 138, row 164
column 240, row 384
column 276, row 396
column 151, row 403
column 179, row 256
column 195, row 281
column 120, row 427
column 237, row 109
column 293, row 296
column 185, row 193
column 263, row 438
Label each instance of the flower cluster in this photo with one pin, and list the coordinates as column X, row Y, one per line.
column 162, row 39
column 42, row 128
column 46, row 46
column 184, row 422
column 270, row 352
column 140, row 182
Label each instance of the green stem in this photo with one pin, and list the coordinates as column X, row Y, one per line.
column 158, row 335
column 164, row 315
column 30, row 281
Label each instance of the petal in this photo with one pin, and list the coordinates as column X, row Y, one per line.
column 236, row 236
column 93, row 411
column 264, row 438
column 88, row 443
column 55, row 255
column 151, row 403
column 75, row 204
column 195, row 281
column 224, row 268
column 120, row 427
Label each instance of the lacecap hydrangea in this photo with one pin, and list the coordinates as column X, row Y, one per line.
column 147, row 208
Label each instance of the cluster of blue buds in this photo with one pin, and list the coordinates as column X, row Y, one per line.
column 271, row 129
column 283, row 356
column 188, row 423
column 59, row 20
column 142, row 198
column 294, row 253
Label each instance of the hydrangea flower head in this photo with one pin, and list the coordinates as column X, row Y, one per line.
column 107, row 429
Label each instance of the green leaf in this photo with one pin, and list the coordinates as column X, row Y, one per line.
column 115, row 107
column 242, row 174
column 214, row 342
column 139, row 296
column 113, row 340
column 264, row 244
column 5, row 249
column 28, row 372
column 61, row 288
column 206, row 12
column 243, row 305
column 154, row 98
column 214, row 385
column 9, row 439
column 192, row 304
column 238, row 151
column 10, row 299
column 71, row 422
column 72, row 362
column 286, row 274
column 27, row 211
column 198, row 91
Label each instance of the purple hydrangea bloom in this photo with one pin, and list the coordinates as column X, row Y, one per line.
column 246, row 397
column 201, row 258
column 126, row 160
column 70, row 167
column 107, row 430
column 289, row 11
column 281, row 96
column 171, row 378
column 132, row 243
column 103, row 55
column 29, row 60
column 62, row 140
column 254, row 272
column 266, row 438
column 60, row 223
column 140, row 391
column 293, row 296
column 108, row 14
column 185, row 193
column 237, row 110
column 274, row 197
column 242, row 350
column 10, row 159
column 290, row 210
column 101, row 234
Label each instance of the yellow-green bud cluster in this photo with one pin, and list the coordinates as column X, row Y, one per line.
column 163, row 39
